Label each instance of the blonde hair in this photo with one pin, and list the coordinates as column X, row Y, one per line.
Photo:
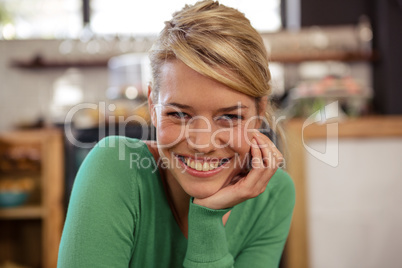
column 219, row 42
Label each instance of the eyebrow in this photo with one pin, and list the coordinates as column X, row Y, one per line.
column 224, row 109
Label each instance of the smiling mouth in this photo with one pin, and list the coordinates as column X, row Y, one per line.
column 202, row 165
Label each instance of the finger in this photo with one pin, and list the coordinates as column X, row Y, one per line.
column 266, row 141
column 258, row 175
column 269, row 143
column 268, row 150
column 256, row 155
column 271, row 155
column 255, row 182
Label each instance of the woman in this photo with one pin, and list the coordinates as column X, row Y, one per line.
column 198, row 196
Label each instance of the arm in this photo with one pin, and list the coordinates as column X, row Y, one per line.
column 202, row 251
column 273, row 221
column 98, row 231
column 265, row 240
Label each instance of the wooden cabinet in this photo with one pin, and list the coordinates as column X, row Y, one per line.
column 30, row 233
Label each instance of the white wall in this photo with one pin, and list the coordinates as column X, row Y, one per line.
column 354, row 210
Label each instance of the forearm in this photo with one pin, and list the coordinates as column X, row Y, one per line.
column 207, row 243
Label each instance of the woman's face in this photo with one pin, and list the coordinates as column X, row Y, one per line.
column 204, row 129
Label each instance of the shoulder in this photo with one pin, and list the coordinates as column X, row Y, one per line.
column 116, row 157
column 278, row 198
column 119, row 150
column 281, row 184
column 114, row 169
column 121, row 144
column 281, row 190
column 269, row 213
column 276, row 204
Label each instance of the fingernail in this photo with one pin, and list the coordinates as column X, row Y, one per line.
column 254, row 141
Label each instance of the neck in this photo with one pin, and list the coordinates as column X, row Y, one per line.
column 178, row 200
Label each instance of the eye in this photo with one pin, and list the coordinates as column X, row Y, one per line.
column 178, row 115
column 230, row 117
column 229, row 120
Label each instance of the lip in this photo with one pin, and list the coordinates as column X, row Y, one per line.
column 203, row 159
column 201, row 174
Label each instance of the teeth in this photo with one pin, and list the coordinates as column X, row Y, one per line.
column 205, row 166
column 198, row 166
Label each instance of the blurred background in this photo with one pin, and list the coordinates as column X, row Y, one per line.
column 74, row 71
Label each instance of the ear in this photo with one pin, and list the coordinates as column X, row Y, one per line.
column 151, row 106
column 262, row 108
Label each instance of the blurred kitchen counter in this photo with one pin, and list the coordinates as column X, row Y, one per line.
column 367, row 126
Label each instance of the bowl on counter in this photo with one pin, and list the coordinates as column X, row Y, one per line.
column 15, row 191
column 12, row 198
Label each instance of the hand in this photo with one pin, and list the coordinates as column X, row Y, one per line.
column 266, row 159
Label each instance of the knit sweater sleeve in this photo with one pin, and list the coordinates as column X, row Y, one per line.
column 99, row 226
column 271, row 216
column 207, row 243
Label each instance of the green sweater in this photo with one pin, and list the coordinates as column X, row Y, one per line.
column 119, row 216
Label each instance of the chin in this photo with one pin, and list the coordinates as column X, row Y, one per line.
column 200, row 191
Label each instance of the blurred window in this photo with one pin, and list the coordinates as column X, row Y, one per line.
column 148, row 18
column 63, row 18
column 40, row 18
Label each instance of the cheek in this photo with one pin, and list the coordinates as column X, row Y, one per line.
column 169, row 133
column 244, row 134
column 241, row 140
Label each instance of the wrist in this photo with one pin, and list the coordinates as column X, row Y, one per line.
column 207, row 241
column 200, row 202
column 206, row 203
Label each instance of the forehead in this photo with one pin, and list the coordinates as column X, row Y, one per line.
column 181, row 84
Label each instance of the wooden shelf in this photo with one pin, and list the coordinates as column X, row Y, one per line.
column 30, row 234
column 288, row 57
column 40, row 63
column 23, row 212
column 298, row 57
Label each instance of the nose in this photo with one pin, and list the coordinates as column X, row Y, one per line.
column 199, row 135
